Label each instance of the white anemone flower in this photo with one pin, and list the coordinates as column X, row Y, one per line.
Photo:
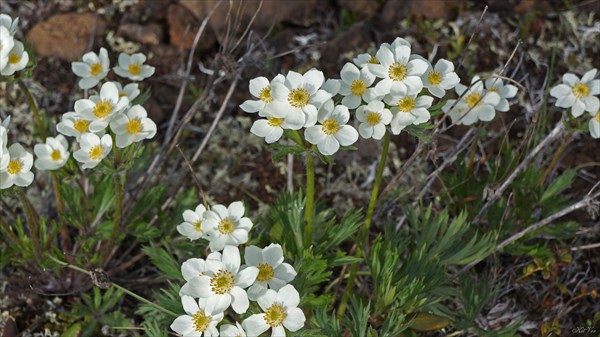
column 226, row 226
column 18, row 171
column 504, row 91
column 100, row 110
column 4, row 156
column 6, row 45
column 298, row 98
column 333, row 131
column 191, row 227
column 73, row 124
column 131, row 90
column 409, row 110
column 93, row 69
column 332, row 86
column 270, row 128
column 475, row 104
column 10, row 24
column 228, row 330
column 92, row 149
column 373, row 117
column 280, row 309
column 5, row 123
column 53, row 154
column 579, row 95
column 273, row 273
column 362, row 61
column 133, row 67
column 594, row 125
column 132, row 126
column 354, row 85
column 17, row 59
column 401, row 74
column 222, row 282
column 201, row 319
column 260, row 88
column 440, row 78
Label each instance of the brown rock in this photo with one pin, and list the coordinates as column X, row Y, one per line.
column 394, row 11
column 166, row 58
column 66, row 36
column 147, row 34
column 356, row 39
column 152, row 9
column 364, row 8
column 183, row 27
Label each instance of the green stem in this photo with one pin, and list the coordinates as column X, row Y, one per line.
column 60, row 206
column 310, row 198
column 34, row 108
column 127, row 291
column 32, row 221
column 364, row 232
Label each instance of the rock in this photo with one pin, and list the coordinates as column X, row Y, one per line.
column 66, row 36
column 146, row 34
column 364, row 8
column 156, row 10
column 183, row 27
column 166, row 58
column 394, row 11
column 356, row 39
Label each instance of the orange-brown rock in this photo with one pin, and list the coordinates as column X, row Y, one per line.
column 183, row 27
column 151, row 34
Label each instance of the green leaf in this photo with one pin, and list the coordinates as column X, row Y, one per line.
column 279, row 151
column 561, row 183
column 72, row 331
column 163, row 261
column 424, row 321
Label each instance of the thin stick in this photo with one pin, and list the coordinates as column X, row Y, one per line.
column 472, row 36
column 198, row 185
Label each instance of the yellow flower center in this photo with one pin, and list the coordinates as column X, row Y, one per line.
column 122, row 94
column 406, row 104
column 272, row 121
column 102, row 109
column 198, row 226
column 134, row 69
column 581, row 90
column 373, row 60
column 14, row 166
column 493, row 89
column 298, row 98
column 226, row 226
column 434, row 77
column 397, row 71
column 222, row 282
column 265, row 94
column 134, row 126
column 331, row 126
column 201, row 321
column 55, row 155
column 373, row 118
column 13, row 58
column 598, row 116
column 265, row 272
column 81, row 125
column 96, row 152
column 358, row 87
column 472, row 99
column 274, row 315
column 95, row 69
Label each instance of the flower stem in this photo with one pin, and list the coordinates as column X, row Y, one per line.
column 60, row 206
column 310, row 199
column 34, row 108
column 364, row 232
column 34, row 228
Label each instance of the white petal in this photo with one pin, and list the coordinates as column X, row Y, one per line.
column 570, row 79
column 246, row 277
column 347, row 135
column 328, row 146
column 288, row 296
column 182, row 324
column 253, row 256
column 252, row 106
column 294, row 319
column 239, row 301
column 314, row 134
column 560, row 90
column 592, row 104
column 485, row 112
column 273, row 255
column 190, row 306
column 255, row 325
column 349, row 73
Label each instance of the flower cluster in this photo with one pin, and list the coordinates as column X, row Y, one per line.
column 15, row 161
column 13, row 56
column 581, row 95
column 221, row 280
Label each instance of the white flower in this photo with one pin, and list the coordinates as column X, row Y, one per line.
column 399, row 72
column 504, row 91
column 440, row 78
column 332, row 86
column 594, row 125
column 409, row 110
column 17, row 59
column 192, row 224
column 201, row 319
column 5, row 123
column 228, row 330
column 100, row 110
column 280, row 310
column 10, row 24
column 222, row 282
column 18, row 171
column 333, row 131
column 272, row 272
column 363, row 60
column 475, row 104
column 94, row 68
column 261, row 89
column 133, row 67
column 579, row 95
column 92, row 149
column 52, row 155
column 226, row 226
column 4, row 156
column 298, row 98
column 6, row 44
column 74, row 125
column 354, row 85
column 271, row 128
column 132, row 127
column 131, row 90
column 374, row 118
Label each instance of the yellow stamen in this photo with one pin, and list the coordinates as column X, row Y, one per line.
column 226, row 226
column 373, row 60
column 134, row 126
column 406, row 104
column 81, row 125
column 265, row 272
column 96, row 152
column 272, row 121
column 198, row 226
column 134, row 69
column 201, row 321
column 373, row 118
column 493, row 89
column 14, row 166
column 95, row 69
column 397, row 71
column 331, row 127
column 274, row 315
column 222, row 282
column 298, row 98
column 102, row 109
column 472, row 99
column 13, row 58
column 358, row 87
column 598, row 116
column 581, row 90
column 265, row 94
column 55, row 155
column 434, row 77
